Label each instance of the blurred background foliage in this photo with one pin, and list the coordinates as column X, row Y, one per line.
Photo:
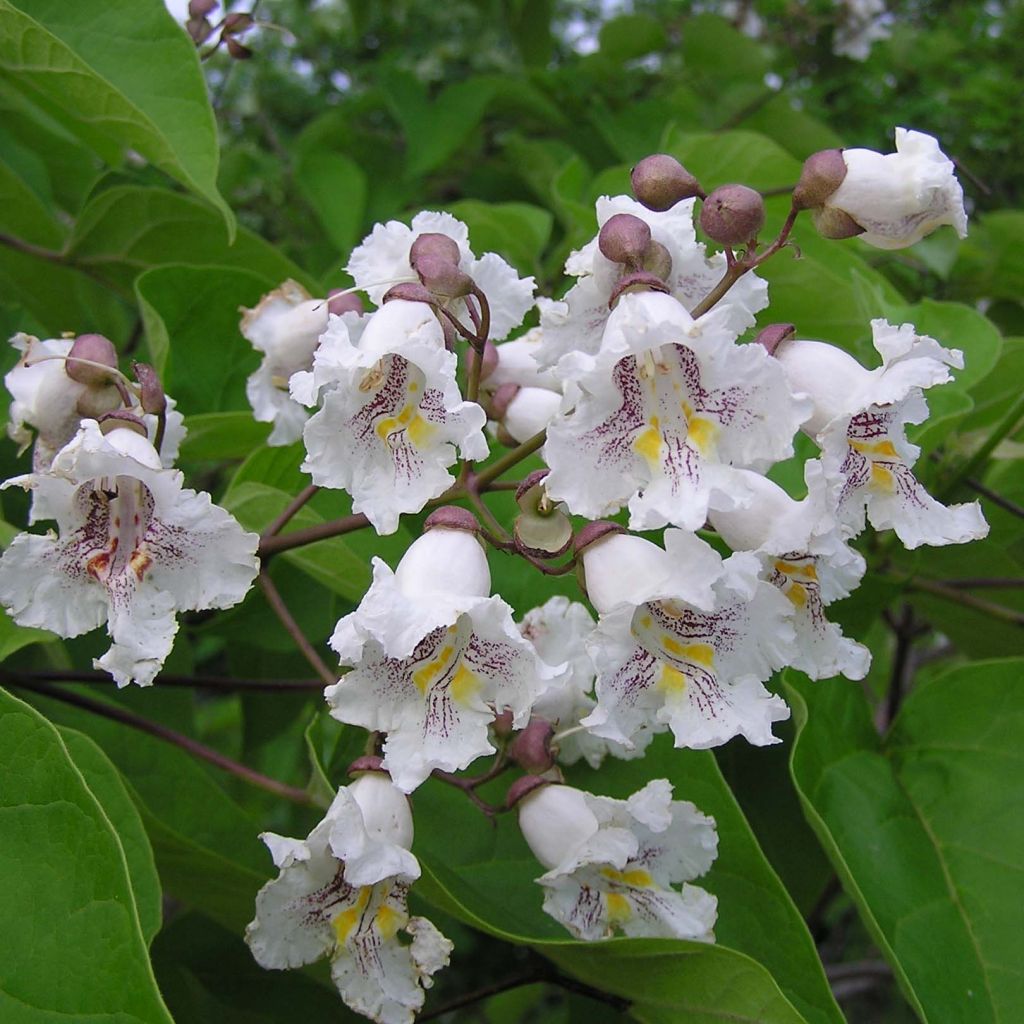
column 515, row 115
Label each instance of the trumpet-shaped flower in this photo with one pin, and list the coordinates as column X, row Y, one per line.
column 576, row 323
column 686, row 645
column 391, row 414
column 382, row 259
column 803, row 553
column 434, row 659
column 859, row 421
column 613, row 864
column 134, row 547
column 665, row 409
column 285, row 326
column 342, row 893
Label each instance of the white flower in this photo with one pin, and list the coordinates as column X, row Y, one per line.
column 575, row 323
column 435, row 658
column 516, row 364
column 898, row 198
column 134, row 547
column 613, row 863
column 803, row 553
column 285, row 325
column 685, row 642
column 860, row 23
column 382, row 259
column 48, row 401
column 859, row 420
column 391, row 413
column 558, row 630
column 667, row 406
column 529, row 412
column 342, row 893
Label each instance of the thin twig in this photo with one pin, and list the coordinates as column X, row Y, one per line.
column 509, row 459
column 997, row 499
column 290, row 510
column 280, row 609
column 978, row 604
column 311, row 534
column 480, row 994
column 197, row 682
column 186, row 743
column 985, row 583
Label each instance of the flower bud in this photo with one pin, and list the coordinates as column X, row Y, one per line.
column 555, row 820
column 531, row 749
column 236, row 23
column 747, row 527
column 201, row 8
column 503, row 723
column 523, row 785
column 530, row 411
column 434, row 246
column 408, row 291
column 732, row 214
column 623, row 239
column 96, row 349
column 442, row 277
column 618, row 566
column 500, row 401
column 517, row 365
column 448, row 558
column 94, row 403
column 340, row 300
column 657, row 260
column 386, row 812
column 835, row 224
column 237, row 50
column 366, row 763
column 152, row 398
column 773, row 336
column 660, row 181
column 822, row 174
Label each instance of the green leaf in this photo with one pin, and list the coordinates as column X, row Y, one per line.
column 925, row 830
column 72, row 944
column 517, row 231
column 124, row 69
column 720, row 157
column 109, row 789
column 630, row 36
column 130, row 228
column 334, row 185
column 25, row 209
column 222, row 435
column 330, row 562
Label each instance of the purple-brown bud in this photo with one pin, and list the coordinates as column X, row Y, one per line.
column 660, row 181
column 122, row 418
column 96, row 349
column 340, row 300
column 435, row 246
column 367, row 763
column 452, row 517
column 237, row 50
column 623, row 239
column 657, row 260
column 409, row 291
column 834, row 223
column 593, row 532
column 774, row 335
column 732, row 214
column 152, row 398
column 201, row 8
column 823, row 172
column 442, row 277
column 637, row 281
column 236, row 23
column 523, row 786
column 499, row 403
column 531, row 749
column 502, row 724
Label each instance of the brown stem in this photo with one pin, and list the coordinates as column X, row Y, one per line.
column 473, row 494
column 508, row 460
column 198, row 682
column 292, row 508
column 978, row 604
column 186, row 743
column 984, row 583
column 467, row 787
column 480, row 994
column 280, row 609
column 311, row 534
column 997, row 499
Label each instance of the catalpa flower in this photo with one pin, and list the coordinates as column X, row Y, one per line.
column 665, row 409
column 285, row 325
column 613, row 864
column 391, row 414
column 50, row 406
column 342, row 893
column 134, row 547
column 684, row 640
column 576, row 322
column 382, row 259
column 803, row 553
column 435, row 658
column 859, row 421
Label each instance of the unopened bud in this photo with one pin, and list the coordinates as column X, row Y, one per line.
column 122, row 419
column 531, row 749
column 522, row 786
column 199, row 29
column 502, row 724
column 623, row 239
column 732, row 214
column 201, row 8
column 434, row 246
column 822, row 174
column 237, row 23
column 657, row 260
column 95, row 402
column 774, row 335
column 152, row 398
column 442, row 277
column 660, row 181
column 408, row 291
column 237, row 50
column 452, row 517
column 366, row 763
column 96, row 349
column 499, row 403
column 340, row 300
column 835, row 223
